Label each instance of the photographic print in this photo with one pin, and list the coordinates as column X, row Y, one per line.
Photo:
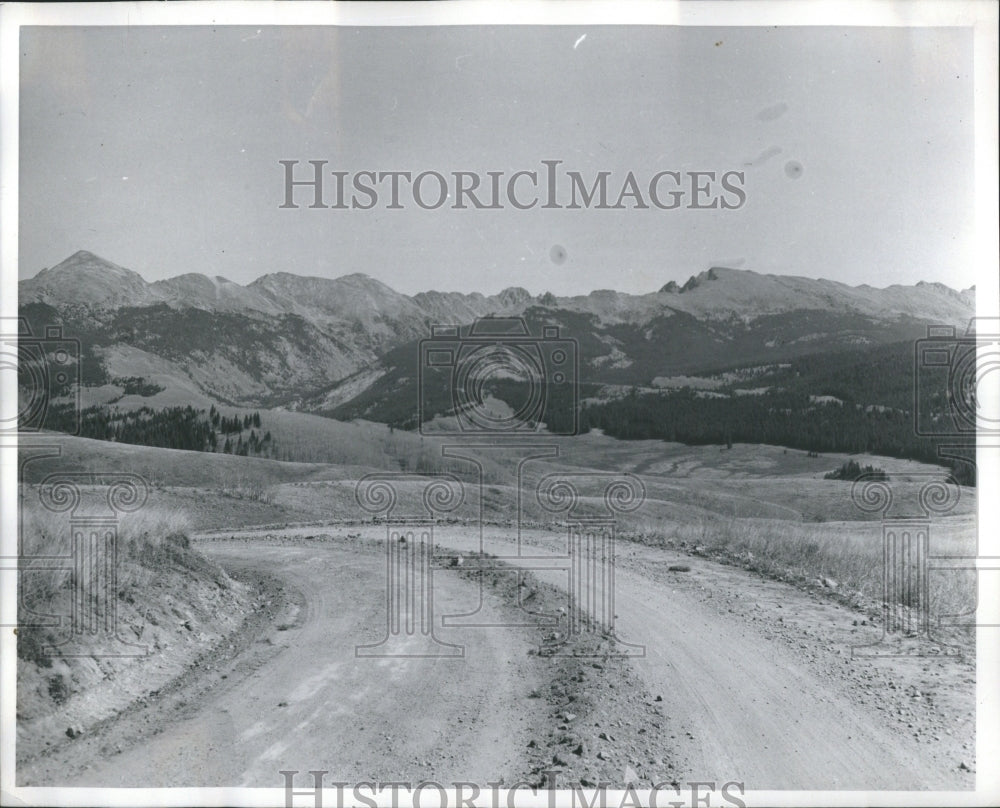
column 453, row 404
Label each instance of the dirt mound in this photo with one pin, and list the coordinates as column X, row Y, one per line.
column 171, row 607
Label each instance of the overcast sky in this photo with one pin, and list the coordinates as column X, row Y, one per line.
column 158, row 149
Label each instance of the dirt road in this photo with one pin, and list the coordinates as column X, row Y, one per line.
column 751, row 679
column 305, row 701
column 745, row 706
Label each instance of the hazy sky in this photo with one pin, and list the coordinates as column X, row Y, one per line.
column 158, row 149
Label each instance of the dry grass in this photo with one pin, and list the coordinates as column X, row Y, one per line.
column 147, row 538
column 850, row 553
column 253, row 488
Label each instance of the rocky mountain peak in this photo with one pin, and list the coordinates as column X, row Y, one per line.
column 85, row 279
column 514, row 296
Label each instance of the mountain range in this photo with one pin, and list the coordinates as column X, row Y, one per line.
column 316, row 343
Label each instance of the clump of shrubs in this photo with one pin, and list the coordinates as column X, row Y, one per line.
column 851, row 470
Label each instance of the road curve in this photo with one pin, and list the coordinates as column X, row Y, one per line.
column 316, row 706
column 739, row 705
column 744, row 707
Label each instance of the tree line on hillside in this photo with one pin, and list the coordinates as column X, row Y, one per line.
column 169, row 428
column 228, row 426
column 872, row 374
